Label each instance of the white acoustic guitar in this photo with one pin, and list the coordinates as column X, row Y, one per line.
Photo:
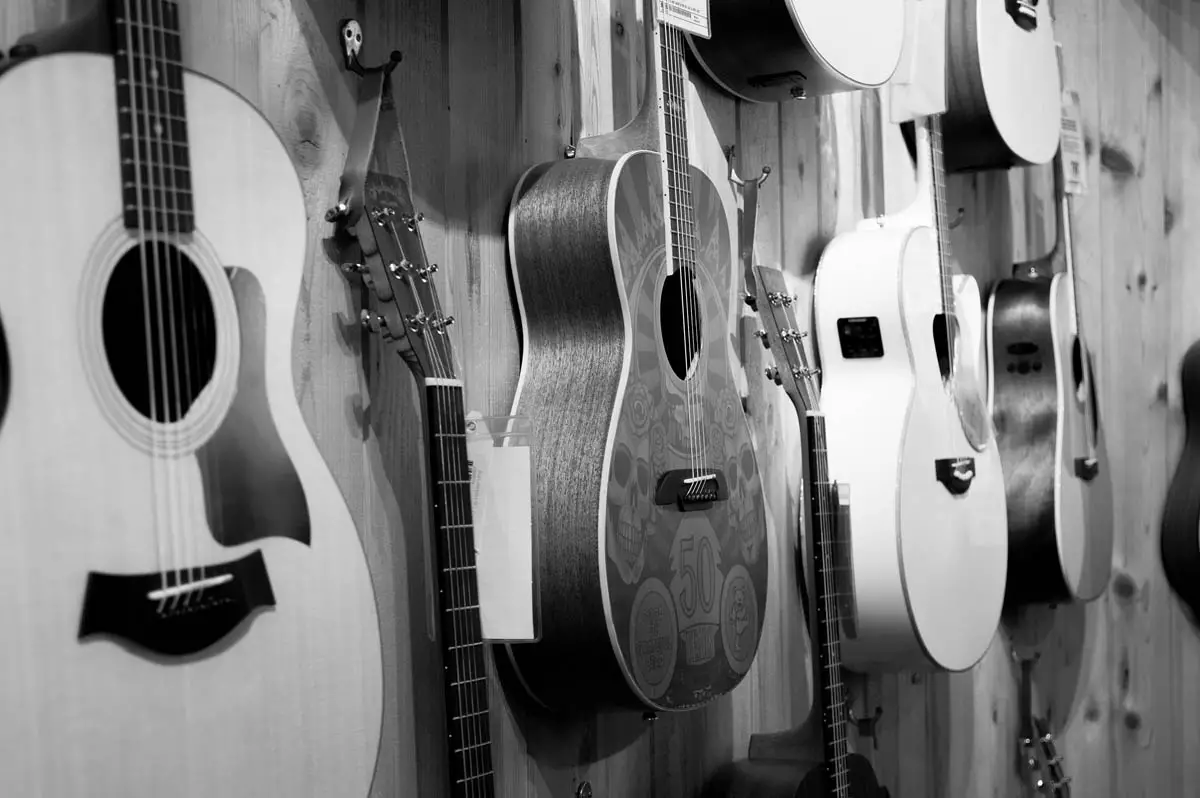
column 899, row 340
column 781, row 50
column 187, row 606
column 1003, row 88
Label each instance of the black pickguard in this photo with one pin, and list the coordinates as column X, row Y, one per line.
column 1180, row 541
column 251, row 488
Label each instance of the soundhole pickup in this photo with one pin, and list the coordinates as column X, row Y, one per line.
column 860, row 337
column 1086, row 468
column 176, row 613
column 955, row 473
column 689, row 489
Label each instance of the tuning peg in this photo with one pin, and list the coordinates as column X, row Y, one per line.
column 372, row 322
column 440, row 323
column 403, row 266
column 337, row 211
column 380, row 216
column 793, row 335
column 762, row 336
column 773, row 374
column 428, row 270
column 410, row 221
column 353, row 268
column 751, row 301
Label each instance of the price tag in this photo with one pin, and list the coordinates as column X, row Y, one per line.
column 1071, row 142
column 687, row 15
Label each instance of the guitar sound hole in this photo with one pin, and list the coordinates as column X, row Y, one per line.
column 941, row 344
column 679, row 321
column 159, row 331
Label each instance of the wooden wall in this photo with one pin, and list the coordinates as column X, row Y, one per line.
column 489, row 88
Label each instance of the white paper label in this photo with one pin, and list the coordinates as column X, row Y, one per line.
column 502, row 501
column 1071, row 142
column 687, row 15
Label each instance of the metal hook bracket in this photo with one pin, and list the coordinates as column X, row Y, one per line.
column 351, row 36
column 730, row 157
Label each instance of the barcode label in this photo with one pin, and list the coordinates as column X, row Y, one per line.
column 687, row 15
column 1071, row 142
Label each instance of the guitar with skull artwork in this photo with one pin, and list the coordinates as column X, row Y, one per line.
column 648, row 505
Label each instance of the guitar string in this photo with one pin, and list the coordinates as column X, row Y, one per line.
column 674, row 251
column 161, row 132
column 467, row 720
column 680, row 203
column 135, row 110
column 823, row 541
column 933, row 136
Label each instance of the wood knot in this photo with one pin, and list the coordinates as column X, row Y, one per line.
column 1133, row 719
column 1115, row 161
column 1092, row 713
column 1123, row 586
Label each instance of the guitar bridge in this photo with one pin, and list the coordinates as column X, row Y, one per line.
column 689, row 489
column 1024, row 13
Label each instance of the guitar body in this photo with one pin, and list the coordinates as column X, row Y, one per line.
column 1180, row 543
column 1059, row 512
column 643, row 606
column 781, row 50
column 102, row 695
column 751, row 778
column 1003, row 90
column 929, row 566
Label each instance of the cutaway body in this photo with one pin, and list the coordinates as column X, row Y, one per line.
column 1059, row 504
column 269, row 681
column 643, row 605
column 929, row 564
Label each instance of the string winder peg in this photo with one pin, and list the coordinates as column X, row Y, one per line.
column 762, row 336
column 380, row 216
column 399, row 268
column 372, row 322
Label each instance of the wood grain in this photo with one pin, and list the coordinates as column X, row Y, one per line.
column 488, row 90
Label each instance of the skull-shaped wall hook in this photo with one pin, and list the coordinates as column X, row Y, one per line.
column 351, row 35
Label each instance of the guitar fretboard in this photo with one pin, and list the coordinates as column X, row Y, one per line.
column 830, row 693
column 156, row 180
column 675, row 155
column 941, row 224
column 465, row 671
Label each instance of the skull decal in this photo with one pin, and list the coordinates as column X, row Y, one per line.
column 742, row 476
column 629, row 509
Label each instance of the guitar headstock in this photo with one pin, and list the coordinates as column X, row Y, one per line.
column 410, row 311
column 1053, row 780
column 776, row 307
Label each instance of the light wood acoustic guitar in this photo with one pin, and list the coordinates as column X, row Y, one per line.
column 782, row 50
column 648, row 506
column 1002, row 84
column 813, row 760
column 1042, row 397
column 188, row 609
column 899, row 340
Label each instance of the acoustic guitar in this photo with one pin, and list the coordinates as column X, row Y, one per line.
column 780, row 50
column 1042, row 397
column 813, row 760
column 648, row 508
column 188, row 606
column 1003, row 89
column 899, row 339
column 1180, row 530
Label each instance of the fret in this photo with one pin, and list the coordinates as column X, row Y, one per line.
column 474, row 777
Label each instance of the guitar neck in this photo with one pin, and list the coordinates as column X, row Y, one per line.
column 465, row 672
column 673, row 140
column 826, row 626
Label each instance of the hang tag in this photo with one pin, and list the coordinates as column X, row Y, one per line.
column 1071, row 142
column 690, row 16
column 502, row 500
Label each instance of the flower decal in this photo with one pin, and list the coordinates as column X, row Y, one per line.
column 638, row 407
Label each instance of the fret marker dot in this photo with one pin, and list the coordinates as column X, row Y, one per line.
column 154, row 74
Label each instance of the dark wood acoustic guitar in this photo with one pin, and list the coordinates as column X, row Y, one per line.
column 813, row 760
column 1180, row 541
column 1002, row 84
column 1042, row 395
column 648, row 505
